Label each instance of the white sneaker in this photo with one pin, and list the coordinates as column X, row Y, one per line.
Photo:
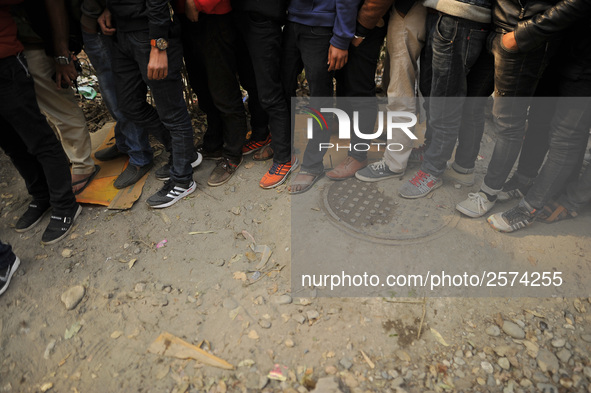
column 477, row 205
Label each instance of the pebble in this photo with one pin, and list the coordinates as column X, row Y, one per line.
column 490, row 381
column 327, row 385
column 330, row 370
column 283, row 299
column 487, row 367
column 160, row 301
column 586, row 338
column 559, row 343
column 504, row 363
column 312, row 314
column 459, row 361
column 137, row 251
column 346, row 363
column 191, row 299
column 49, row 349
column 546, row 387
column 547, row 361
column 299, row 318
column 140, row 287
column 289, row 343
column 513, row 330
column 587, row 372
column 264, row 323
column 566, row 382
column 67, row 253
column 493, row 330
column 73, row 296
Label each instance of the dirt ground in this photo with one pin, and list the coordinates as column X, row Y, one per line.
column 199, row 287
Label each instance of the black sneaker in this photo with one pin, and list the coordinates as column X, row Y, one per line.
column 213, row 155
column 60, row 226
column 170, row 194
column 514, row 219
column 164, row 172
column 223, row 171
column 515, row 188
column 7, row 273
column 109, row 153
column 131, row 175
column 32, row 216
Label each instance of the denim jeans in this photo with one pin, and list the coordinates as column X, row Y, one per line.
column 28, row 140
column 578, row 192
column 357, row 79
column 6, row 255
column 516, row 78
column 306, row 47
column 263, row 38
column 569, row 133
column 459, row 49
column 128, row 136
column 170, row 120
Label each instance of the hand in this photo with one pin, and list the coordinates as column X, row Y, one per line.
column 158, row 64
column 105, row 23
column 509, row 41
column 337, row 58
column 65, row 74
column 356, row 41
column 191, row 11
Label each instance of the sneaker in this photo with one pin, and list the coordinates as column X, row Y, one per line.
column 252, row 146
column 109, row 153
column 223, row 171
column 420, row 185
column 466, row 179
column 210, row 155
column 131, row 175
column 60, row 226
column 170, row 194
column 164, row 172
column 6, row 274
column 514, row 189
column 417, row 154
column 278, row 174
column 376, row 172
column 32, row 216
column 513, row 219
column 476, row 205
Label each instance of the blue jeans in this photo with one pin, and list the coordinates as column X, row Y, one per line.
column 461, row 67
column 128, row 136
column 170, row 119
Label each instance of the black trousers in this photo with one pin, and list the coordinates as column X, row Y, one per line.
column 25, row 136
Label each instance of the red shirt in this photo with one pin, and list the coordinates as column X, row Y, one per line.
column 9, row 44
column 216, row 7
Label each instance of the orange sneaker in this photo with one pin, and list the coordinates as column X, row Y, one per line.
column 252, row 146
column 278, row 174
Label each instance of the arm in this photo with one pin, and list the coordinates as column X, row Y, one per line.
column 158, row 24
column 58, row 18
column 343, row 32
column 533, row 32
column 369, row 16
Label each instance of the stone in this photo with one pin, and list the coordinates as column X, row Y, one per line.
column 137, row 251
column 289, row 343
column 299, row 318
column 547, row 361
column 493, row 330
column 586, row 338
column 558, row 343
column 73, row 296
column 546, row 387
column 346, row 363
column 564, row 355
column 504, row 363
column 283, row 299
column 312, row 314
column 459, row 361
column 327, row 385
column 330, row 370
column 140, row 287
column 587, row 372
column 487, row 367
column 161, row 301
column 265, row 324
column 513, row 330
column 67, row 253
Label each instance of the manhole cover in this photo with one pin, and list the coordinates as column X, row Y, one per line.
column 376, row 212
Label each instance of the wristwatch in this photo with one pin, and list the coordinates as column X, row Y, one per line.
column 159, row 43
column 63, row 60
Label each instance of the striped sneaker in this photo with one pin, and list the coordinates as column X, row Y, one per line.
column 170, row 194
column 252, row 146
column 420, row 185
column 278, row 174
column 514, row 219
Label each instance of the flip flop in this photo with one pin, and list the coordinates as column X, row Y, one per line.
column 553, row 213
column 307, row 185
column 86, row 181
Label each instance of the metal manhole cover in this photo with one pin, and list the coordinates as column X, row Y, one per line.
column 375, row 211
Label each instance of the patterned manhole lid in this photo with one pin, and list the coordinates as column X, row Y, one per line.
column 376, row 212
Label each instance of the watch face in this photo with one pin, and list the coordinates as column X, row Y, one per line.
column 161, row 44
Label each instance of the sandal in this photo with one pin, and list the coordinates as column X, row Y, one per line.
column 86, row 181
column 553, row 213
column 306, row 185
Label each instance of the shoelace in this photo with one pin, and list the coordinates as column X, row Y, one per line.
column 478, row 199
column 518, row 213
column 277, row 168
column 419, row 177
column 379, row 166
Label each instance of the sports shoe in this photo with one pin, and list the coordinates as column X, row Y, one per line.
column 7, row 273
column 32, row 216
column 170, row 194
column 476, row 205
column 513, row 219
column 252, row 146
column 212, row 155
column 515, row 188
column 109, row 153
column 466, row 179
column 223, row 171
column 278, row 174
column 60, row 226
column 420, row 185
column 376, row 172
column 164, row 172
column 417, row 154
column 131, row 175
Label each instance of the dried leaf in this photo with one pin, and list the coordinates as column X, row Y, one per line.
column 439, row 337
column 89, row 232
column 249, row 165
column 235, row 258
column 132, row 262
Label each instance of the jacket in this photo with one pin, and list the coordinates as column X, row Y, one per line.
column 341, row 15
column 136, row 15
column 273, row 9
column 9, row 45
column 474, row 10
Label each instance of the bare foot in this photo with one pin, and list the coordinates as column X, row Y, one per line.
column 301, row 182
column 78, row 181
